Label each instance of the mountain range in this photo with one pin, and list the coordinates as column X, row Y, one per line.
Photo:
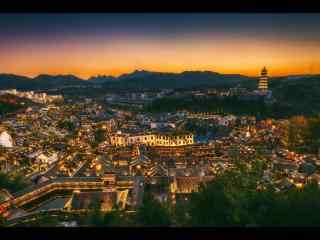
column 136, row 79
column 43, row 81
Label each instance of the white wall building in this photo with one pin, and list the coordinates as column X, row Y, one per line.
column 152, row 139
column 154, row 125
column 6, row 140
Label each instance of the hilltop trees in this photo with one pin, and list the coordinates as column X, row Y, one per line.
column 229, row 199
column 67, row 125
column 313, row 140
column 8, row 108
column 295, row 208
column 117, row 218
column 12, row 183
column 227, row 105
column 298, row 129
column 233, row 199
column 99, row 136
column 151, row 213
column 210, row 206
column 302, row 134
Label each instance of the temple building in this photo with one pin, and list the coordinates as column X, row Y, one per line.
column 263, row 81
column 263, row 87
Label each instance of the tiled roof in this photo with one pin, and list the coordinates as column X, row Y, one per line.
column 91, row 200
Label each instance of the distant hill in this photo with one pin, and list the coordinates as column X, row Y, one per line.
column 303, row 93
column 188, row 79
column 102, row 79
column 49, row 81
column 148, row 79
column 43, row 81
column 14, row 81
column 136, row 79
column 138, row 74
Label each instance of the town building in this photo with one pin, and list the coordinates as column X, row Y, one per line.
column 152, row 139
column 35, row 97
column 6, row 140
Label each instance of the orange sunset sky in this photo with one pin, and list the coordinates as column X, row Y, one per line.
column 114, row 49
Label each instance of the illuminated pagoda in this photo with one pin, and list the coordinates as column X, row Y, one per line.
column 263, row 81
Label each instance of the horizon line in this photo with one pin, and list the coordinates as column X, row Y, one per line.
column 144, row 70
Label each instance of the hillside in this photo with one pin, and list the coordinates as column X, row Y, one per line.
column 293, row 90
column 10, row 103
column 188, row 79
column 8, row 81
column 302, row 93
column 134, row 80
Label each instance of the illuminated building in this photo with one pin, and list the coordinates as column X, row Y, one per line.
column 146, row 139
column 174, row 139
column 105, row 200
column 156, row 139
column 6, row 140
column 35, row 97
column 118, row 140
column 112, row 189
column 263, row 81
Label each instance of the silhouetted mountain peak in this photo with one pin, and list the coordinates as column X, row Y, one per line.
column 136, row 74
column 60, row 76
column 199, row 72
column 4, row 76
column 101, row 79
column 135, row 79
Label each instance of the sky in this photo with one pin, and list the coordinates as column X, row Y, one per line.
column 112, row 44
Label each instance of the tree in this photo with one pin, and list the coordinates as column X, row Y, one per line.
column 118, row 218
column 49, row 221
column 100, row 135
column 2, row 221
column 284, row 130
column 180, row 214
column 13, row 183
column 210, row 206
column 95, row 217
column 298, row 129
column 66, row 124
column 313, row 137
column 151, row 213
column 25, row 161
column 232, row 198
column 19, row 182
column 296, row 207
